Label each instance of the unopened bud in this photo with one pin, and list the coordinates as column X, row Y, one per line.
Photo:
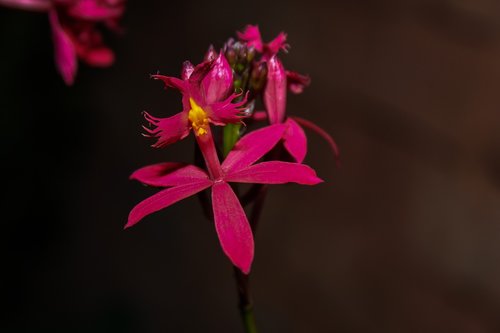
column 211, row 54
column 258, row 77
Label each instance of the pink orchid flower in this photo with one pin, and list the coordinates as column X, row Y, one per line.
column 206, row 99
column 231, row 224
column 74, row 30
column 294, row 138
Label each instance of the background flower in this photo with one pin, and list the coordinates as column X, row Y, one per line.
column 74, row 30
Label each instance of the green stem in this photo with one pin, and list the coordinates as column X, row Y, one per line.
column 249, row 320
column 245, row 305
column 230, row 136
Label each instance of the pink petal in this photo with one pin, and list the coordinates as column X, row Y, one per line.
column 211, row 54
column 233, row 229
column 252, row 147
column 275, row 91
column 218, row 82
column 321, row 132
column 276, row 44
column 169, row 174
column 251, row 35
column 98, row 56
column 35, row 5
column 259, row 115
column 65, row 54
column 275, row 172
column 94, row 10
column 163, row 199
column 187, row 70
column 224, row 112
column 295, row 141
column 167, row 130
column 171, row 82
column 297, row 82
column 199, row 72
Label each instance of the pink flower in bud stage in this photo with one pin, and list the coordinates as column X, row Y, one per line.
column 277, row 82
column 294, row 138
column 251, row 35
column 231, row 224
column 206, row 99
column 74, row 30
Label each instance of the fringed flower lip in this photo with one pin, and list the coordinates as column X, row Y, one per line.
column 207, row 98
column 181, row 181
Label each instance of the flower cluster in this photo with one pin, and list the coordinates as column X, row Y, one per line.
column 221, row 91
column 75, row 31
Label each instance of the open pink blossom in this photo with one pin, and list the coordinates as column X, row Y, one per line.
column 75, row 31
column 181, row 181
column 294, row 138
column 206, row 99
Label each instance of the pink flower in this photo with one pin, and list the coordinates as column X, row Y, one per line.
column 231, row 224
column 74, row 30
column 206, row 99
column 294, row 138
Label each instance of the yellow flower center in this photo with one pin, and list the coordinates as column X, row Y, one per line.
column 198, row 118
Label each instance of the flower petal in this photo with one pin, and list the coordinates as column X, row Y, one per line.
column 164, row 199
column 252, row 147
column 169, row 174
column 233, row 229
column 218, row 82
column 259, row 115
column 98, row 56
column 211, row 54
column 321, row 132
column 171, row 81
column 36, row 5
column 224, row 112
column 65, row 54
column 187, row 70
column 167, row 130
column 199, row 72
column 276, row 44
column 297, row 82
column 251, row 35
column 275, row 172
column 295, row 141
column 275, row 91
column 95, row 10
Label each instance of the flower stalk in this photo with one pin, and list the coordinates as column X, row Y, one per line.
column 245, row 301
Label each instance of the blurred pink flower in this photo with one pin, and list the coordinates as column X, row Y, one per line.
column 74, row 30
column 206, row 99
column 231, row 224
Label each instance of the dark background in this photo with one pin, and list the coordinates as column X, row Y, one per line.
column 405, row 237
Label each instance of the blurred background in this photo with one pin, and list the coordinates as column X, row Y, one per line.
column 404, row 237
